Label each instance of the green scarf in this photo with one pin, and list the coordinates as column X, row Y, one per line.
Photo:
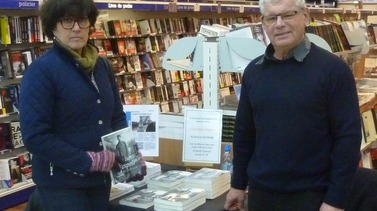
column 88, row 58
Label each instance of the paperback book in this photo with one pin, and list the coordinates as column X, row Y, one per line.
column 128, row 158
column 143, row 198
column 168, row 180
column 180, row 199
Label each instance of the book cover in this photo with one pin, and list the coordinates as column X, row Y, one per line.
column 120, row 189
column 125, row 147
column 131, row 47
column 108, row 47
column 143, row 198
column 25, row 164
column 169, row 179
column 15, row 134
column 121, row 45
column 18, row 63
column 100, row 46
column 180, row 197
column 6, row 66
column 144, row 27
column 7, row 101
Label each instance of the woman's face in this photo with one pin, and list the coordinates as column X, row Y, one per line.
column 73, row 32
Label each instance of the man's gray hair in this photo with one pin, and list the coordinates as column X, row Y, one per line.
column 299, row 3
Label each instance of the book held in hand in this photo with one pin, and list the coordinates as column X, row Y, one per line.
column 128, row 167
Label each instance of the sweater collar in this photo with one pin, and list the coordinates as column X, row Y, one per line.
column 299, row 53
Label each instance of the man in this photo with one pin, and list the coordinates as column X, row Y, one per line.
column 297, row 134
column 121, row 149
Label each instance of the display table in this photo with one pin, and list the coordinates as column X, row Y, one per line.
column 216, row 204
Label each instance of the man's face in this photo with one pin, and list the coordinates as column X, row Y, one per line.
column 284, row 24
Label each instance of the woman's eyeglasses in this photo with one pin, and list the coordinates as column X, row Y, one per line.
column 69, row 23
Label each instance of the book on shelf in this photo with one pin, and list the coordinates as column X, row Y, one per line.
column 10, row 172
column 14, row 134
column 147, row 61
column 144, row 27
column 180, row 199
column 29, row 56
column 6, row 66
column 168, row 180
column 108, row 47
column 125, row 147
column 121, row 46
column 5, row 30
column 153, row 26
column 7, row 100
column 368, row 118
column 143, row 198
column 134, row 62
column 99, row 29
column 100, row 46
column 17, row 63
column 25, row 164
column 159, row 77
column 131, row 47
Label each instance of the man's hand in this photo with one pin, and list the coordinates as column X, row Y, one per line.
column 327, row 207
column 235, row 200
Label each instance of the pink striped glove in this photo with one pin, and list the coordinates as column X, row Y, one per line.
column 102, row 161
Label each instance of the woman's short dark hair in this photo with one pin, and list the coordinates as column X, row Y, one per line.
column 52, row 11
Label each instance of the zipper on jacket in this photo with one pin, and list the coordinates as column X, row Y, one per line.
column 51, row 169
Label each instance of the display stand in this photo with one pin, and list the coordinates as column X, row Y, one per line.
column 212, row 55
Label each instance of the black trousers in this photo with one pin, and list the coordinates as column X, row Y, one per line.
column 259, row 200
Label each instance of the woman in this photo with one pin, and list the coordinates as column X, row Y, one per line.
column 68, row 101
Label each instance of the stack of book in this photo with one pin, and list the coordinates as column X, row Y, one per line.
column 168, row 180
column 214, row 181
column 153, row 170
column 180, row 199
column 143, row 198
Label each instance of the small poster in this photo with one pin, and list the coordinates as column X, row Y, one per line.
column 202, row 135
column 143, row 119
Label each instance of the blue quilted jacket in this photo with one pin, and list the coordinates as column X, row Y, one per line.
column 62, row 116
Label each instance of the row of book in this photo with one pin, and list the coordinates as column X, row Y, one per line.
column 109, row 28
column 15, row 29
column 13, row 63
column 132, row 46
column 179, row 190
column 162, row 93
column 136, row 63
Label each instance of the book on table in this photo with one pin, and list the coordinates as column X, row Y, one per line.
column 168, row 180
column 180, row 199
column 214, row 181
column 143, row 198
column 128, row 159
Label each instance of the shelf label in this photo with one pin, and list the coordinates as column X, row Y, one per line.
column 196, row 8
column 242, row 9
column 117, row 6
column 19, row 4
column 189, row 8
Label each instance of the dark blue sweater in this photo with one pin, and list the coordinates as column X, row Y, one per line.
column 299, row 123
